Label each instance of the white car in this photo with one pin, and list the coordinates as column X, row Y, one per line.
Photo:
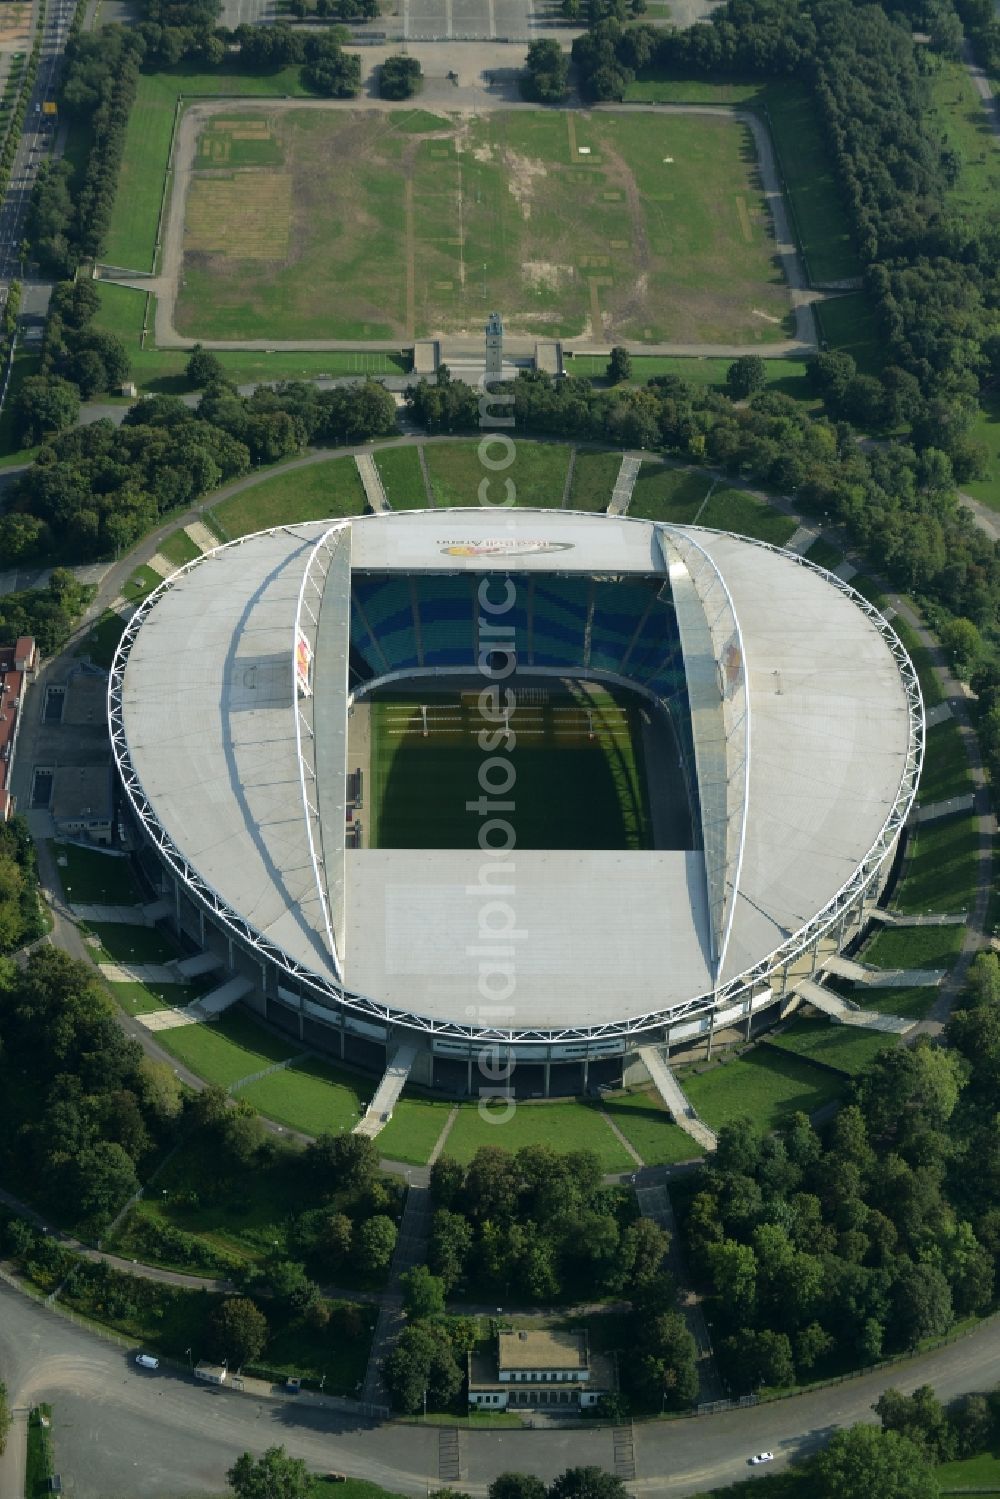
column 147, row 1361
column 761, row 1457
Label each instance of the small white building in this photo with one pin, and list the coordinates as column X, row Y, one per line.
column 541, row 1368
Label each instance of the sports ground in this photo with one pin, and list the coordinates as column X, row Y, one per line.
column 577, row 758
column 312, row 223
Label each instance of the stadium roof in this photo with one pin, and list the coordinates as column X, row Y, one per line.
column 803, row 731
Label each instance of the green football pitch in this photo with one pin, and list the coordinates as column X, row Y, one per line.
column 576, row 760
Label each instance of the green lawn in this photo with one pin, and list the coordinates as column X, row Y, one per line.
column 987, row 431
column 840, row 1046
column 786, row 376
column 648, row 1127
column 143, row 999
column 914, row 947
column 940, row 874
column 132, row 233
column 563, row 1125
column 101, row 642
column 122, row 943
column 402, row 480
column 413, row 1130
column 946, row 767
column 315, row 1097
column 921, row 657
column 819, row 215
column 668, row 494
column 124, row 310
column 594, row 476
column 583, row 759
column 39, row 1464
column 735, row 510
column 141, row 583
column 975, row 1475
column 544, row 233
column 314, row 491
column 538, row 473
column 810, row 185
column 847, row 324
column 965, row 126
column 912, row 1004
column 92, row 878
column 227, row 1049
column 178, row 548
column 766, row 1086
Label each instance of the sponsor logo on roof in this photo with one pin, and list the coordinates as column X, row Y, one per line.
column 504, row 547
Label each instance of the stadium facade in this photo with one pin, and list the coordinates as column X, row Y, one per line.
column 793, row 726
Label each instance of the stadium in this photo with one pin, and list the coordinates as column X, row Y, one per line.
column 452, row 794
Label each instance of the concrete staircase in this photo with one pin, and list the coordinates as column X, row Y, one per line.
column 207, row 1006
column 621, row 497
column 673, row 1097
column 846, row 1012
column 379, row 1111
column 372, row 480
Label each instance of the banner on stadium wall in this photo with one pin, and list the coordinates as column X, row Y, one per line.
column 303, row 664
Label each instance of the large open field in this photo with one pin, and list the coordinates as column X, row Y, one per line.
column 578, row 762
column 308, row 224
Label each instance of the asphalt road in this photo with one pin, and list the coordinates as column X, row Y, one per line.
column 122, row 1433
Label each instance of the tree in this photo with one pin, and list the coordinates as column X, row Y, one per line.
column 864, row 1463
column 448, row 1250
column 587, row 1483
column 5, row 1420
column 273, row 1476
column 516, row 1486
column 423, row 1362
column 546, row 73
column 374, row 1242
column 44, row 404
column 447, row 1181
column 342, row 1162
column 399, row 77
column 668, row 1367
column 921, row 1417
column 237, row 1331
column 101, row 1182
column 204, row 368
column 619, row 365
column 423, row 1293
column 963, row 643
column 745, row 376
column 644, row 1246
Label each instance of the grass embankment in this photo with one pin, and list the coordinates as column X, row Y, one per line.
column 763, row 1084
column 941, row 868
column 564, row 1125
column 315, row 491
column 689, row 497
column 537, row 474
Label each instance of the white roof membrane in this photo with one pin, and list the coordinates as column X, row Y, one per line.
column 206, row 715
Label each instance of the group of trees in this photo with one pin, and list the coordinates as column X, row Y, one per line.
column 933, row 272
column 83, row 1108
column 70, row 210
column 96, row 489
column 833, row 1248
column 47, row 613
column 538, row 1223
column 546, row 73
column 399, row 77
column 275, row 1475
column 326, row 67
column 21, row 917
column 336, row 10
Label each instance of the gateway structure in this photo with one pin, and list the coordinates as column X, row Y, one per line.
column 518, row 787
